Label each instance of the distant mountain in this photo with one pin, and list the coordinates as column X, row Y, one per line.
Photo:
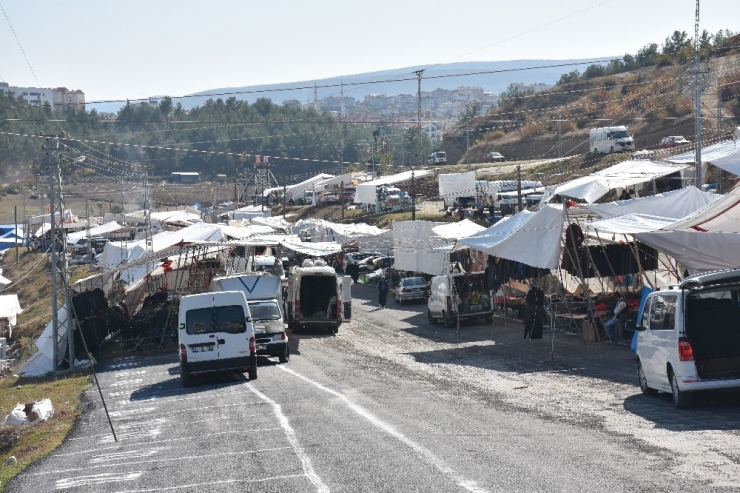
column 394, row 82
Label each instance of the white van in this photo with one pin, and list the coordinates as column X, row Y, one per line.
column 216, row 335
column 688, row 338
column 605, row 140
column 460, row 296
column 264, row 295
column 439, row 157
column 317, row 297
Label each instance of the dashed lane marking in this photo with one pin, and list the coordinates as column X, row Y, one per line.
column 208, row 485
column 95, row 480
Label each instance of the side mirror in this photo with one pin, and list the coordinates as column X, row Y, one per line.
column 249, row 320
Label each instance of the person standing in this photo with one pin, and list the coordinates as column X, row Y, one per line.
column 534, row 316
column 382, row 291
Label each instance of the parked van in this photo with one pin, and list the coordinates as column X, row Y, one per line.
column 216, row 335
column 467, row 288
column 439, row 157
column 610, row 139
column 317, row 297
column 688, row 338
column 264, row 295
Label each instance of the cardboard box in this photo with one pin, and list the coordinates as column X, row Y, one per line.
column 589, row 334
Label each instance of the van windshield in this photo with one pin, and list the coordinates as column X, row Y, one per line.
column 622, row 134
column 229, row 319
column 264, row 310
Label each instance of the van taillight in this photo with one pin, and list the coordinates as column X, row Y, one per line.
column 296, row 309
column 685, row 351
column 252, row 347
column 449, row 303
column 183, row 353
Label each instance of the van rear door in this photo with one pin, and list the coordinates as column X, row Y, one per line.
column 347, row 297
column 217, row 332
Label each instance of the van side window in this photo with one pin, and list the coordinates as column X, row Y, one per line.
column 663, row 312
column 645, row 320
column 229, row 319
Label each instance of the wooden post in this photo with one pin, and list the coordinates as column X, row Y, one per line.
column 341, row 197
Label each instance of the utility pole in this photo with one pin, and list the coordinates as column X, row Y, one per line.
column 341, row 196
column 719, row 128
column 148, row 212
column 87, row 210
column 697, row 96
column 467, row 146
column 519, row 186
column 560, row 137
column 418, row 116
column 315, row 97
column 413, row 196
column 59, row 266
column 285, row 192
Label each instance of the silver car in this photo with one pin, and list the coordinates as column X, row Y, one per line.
column 410, row 288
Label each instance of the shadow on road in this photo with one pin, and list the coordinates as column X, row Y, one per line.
column 712, row 411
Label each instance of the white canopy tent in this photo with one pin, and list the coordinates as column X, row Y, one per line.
column 675, row 204
column 706, row 240
column 625, row 174
column 10, row 308
column 458, row 230
column 630, row 224
column 295, row 192
column 366, row 192
column 249, row 212
column 73, row 238
column 532, row 238
column 322, row 230
column 724, row 155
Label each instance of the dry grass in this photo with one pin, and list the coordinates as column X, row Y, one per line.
column 37, row 441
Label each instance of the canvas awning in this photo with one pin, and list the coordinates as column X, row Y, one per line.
column 458, row 183
column 724, row 155
column 414, row 247
column 366, row 192
column 630, row 224
column 73, row 238
column 706, row 240
column 458, row 230
column 675, row 204
column 625, row 174
column 532, row 238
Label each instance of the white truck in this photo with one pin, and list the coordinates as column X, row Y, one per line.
column 605, row 140
column 216, row 335
column 462, row 296
column 316, row 297
column 265, row 299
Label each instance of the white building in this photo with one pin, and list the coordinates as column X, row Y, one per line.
column 59, row 98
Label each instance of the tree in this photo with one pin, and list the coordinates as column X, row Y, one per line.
column 165, row 107
column 646, row 55
column 676, row 42
column 594, row 71
column 573, row 76
column 472, row 109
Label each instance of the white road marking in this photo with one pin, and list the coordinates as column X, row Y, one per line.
column 170, row 459
column 308, row 469
column 207, row 485
column 131, row 454
column 97, row 479
column 167, row 440
column 428, row 455
column 126, row 383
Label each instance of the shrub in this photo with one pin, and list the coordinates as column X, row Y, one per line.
column 532, row 129
column 493, row 134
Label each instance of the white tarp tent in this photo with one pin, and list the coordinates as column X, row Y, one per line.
column 725, row 155
column 73, row 238
column 452, row 185
column 630, row 224
column 532, row 238
column 625, row 174
column 41, row 362
column 675, row 204
column 275, row 222
column 175, row 216
column 330, row 183
column 249, row 212
column 706, row 240
column 295, row 192
column 366, row 192
column 322, row 230
column 118, row 252
column 415, row 247
column 10, row 308
column 458, row 230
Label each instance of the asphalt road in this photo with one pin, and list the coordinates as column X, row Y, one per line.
column 392, row 403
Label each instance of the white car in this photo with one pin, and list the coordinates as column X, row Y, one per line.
column 689, row 337
column 410, row 288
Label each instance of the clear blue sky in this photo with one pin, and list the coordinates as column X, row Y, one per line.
column 135, row 48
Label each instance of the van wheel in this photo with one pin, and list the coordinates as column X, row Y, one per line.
column 186, row 380
column 285, row 357
column 611, row 149
column 431, row 319
column 643, row 380
column 252, row 373
column 681, row 399
column 330, row 329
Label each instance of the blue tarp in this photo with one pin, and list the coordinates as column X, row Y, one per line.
column 645, row 292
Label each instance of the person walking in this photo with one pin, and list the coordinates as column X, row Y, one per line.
column 382, row 291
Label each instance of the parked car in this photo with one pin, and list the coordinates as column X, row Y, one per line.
column 672, row 141
column 687, row 337
column 494, row 157
column 410, row 288
column 439, row 157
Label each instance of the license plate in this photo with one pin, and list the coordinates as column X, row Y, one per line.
column 202, row 349
column 261, row 347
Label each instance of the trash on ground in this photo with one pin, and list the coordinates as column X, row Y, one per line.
column 31, row 413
